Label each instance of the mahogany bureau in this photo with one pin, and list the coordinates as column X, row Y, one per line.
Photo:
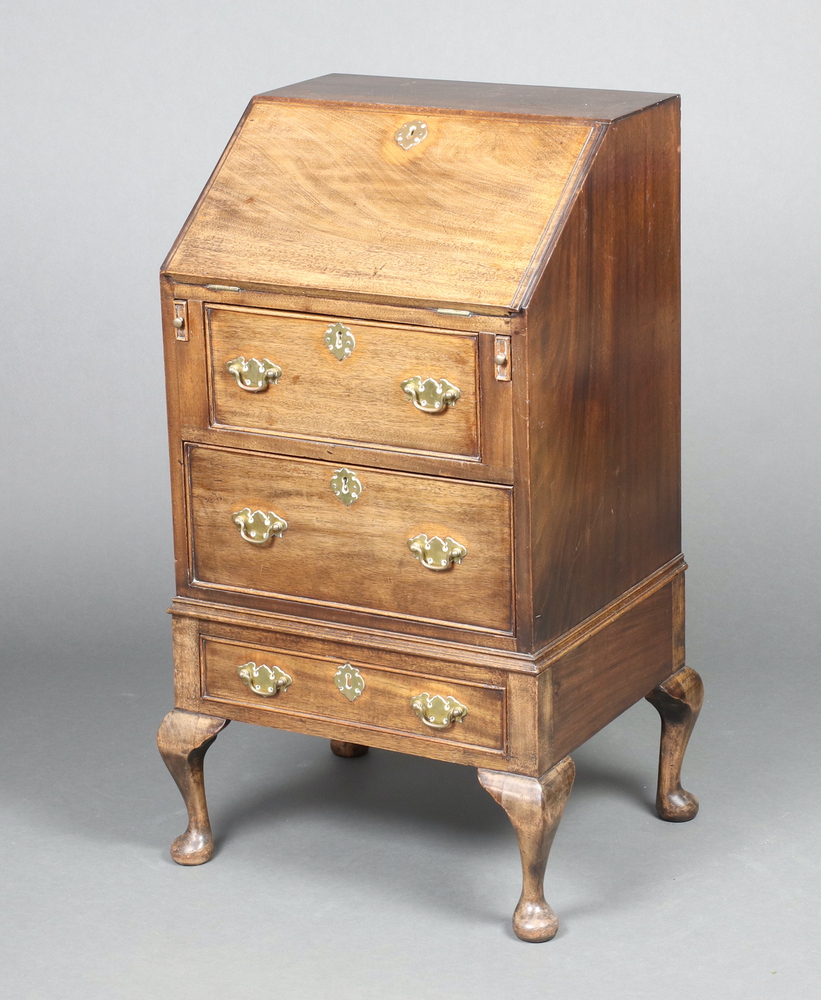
column 422, row 346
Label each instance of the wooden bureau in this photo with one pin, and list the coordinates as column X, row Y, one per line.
column 422, row 344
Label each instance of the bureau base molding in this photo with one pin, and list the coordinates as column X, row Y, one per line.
column 552, row 701
column 454, row 652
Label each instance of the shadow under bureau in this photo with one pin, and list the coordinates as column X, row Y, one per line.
column 422, row 344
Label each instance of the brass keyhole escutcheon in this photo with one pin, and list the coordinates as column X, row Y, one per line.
column 349, row 681
column 340, row 341
column 411, row 134
column 346, row 487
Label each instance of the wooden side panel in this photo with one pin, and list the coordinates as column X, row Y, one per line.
column 324, row 198
column 678, row 622
column 612, row 670
column 603, row 369
column 355, row 556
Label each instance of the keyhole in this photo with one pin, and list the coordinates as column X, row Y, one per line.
column 338, row 338
column 344, row 484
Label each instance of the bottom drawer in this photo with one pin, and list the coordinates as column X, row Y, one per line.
column 284, row 682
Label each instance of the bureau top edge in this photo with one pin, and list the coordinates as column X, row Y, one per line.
column 583, row 105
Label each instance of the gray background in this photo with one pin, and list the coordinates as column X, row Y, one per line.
column 392, row 877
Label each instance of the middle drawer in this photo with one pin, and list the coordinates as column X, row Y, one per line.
column 399, row 544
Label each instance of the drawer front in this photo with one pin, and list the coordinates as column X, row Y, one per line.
column 353, row 555
column 366, row 694
column 314, row 392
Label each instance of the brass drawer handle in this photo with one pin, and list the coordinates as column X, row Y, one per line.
column 257, row 527
column 265, row 681
column 254, row 375
column 437, row 553
column 430, row 396
column 438, row 712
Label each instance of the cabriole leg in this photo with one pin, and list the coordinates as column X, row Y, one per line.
column 534, row 807
column 342, row 749
column 678, row 701
column 183, row 740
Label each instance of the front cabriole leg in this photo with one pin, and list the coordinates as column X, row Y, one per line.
column 534, row 807
column 678, row 701
column 183, row 740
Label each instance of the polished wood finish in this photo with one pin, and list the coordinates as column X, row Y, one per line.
column 321, row 197
column 602, row 349
column 384, row 704
column 535, row 807
column 322, row 648
column 585, row 667
column 678, row 701
column 303, row 301
column 609, row 671
column 183, row 740
column 354, row 556
column 549, row 218
column 342, row 749
column 361, row 397
column 189, row 377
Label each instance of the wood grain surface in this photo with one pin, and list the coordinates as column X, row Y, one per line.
column 324, row 198
column 354, row 556
column 191, row 410
column 183, row 740
column 602, row 462
column 678, row 701
column 358, row 399
column 384, row 703
column 549, row 217
column 613, row 669
column 535, row 807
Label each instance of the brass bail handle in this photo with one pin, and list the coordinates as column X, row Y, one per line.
column 431, row 395
column 436, row 711
column 254, row 375
column 435, row 553
column 263, row 680
column 259, row 527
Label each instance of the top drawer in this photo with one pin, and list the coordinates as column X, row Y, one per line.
column 350, row 381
